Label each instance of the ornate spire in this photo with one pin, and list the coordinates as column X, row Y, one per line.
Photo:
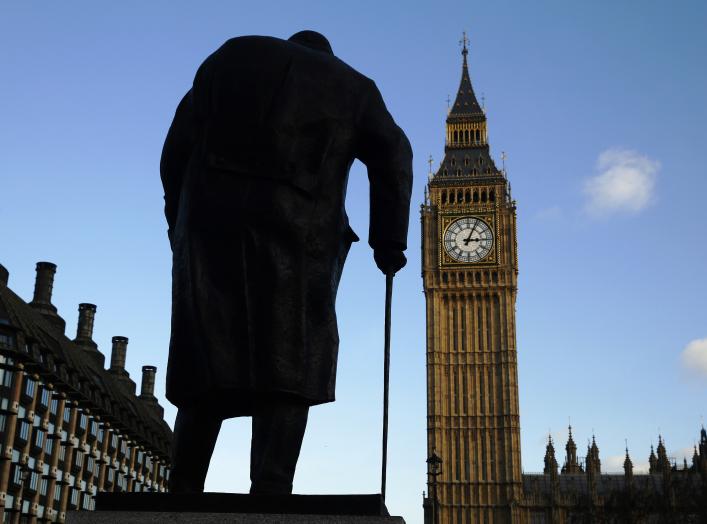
column 652, row 462
column 628, row 470
column 467, row 154
column 550, row 461
column 571, row 464
column 663, row 462
column 465, row 104
column 628, row 464
column 593, row 462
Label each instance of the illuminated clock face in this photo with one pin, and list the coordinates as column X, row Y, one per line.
column 468, row 239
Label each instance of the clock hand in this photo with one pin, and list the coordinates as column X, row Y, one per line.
column 468, row 239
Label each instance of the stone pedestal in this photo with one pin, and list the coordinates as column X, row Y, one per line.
column 164, row 517
column 227, row 508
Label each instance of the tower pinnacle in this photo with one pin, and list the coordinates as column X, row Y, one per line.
column 463, row 42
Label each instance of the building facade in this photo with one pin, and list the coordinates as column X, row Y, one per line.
column 69, row 427
column 579, row 491
column 469, row 273
column 469, row 269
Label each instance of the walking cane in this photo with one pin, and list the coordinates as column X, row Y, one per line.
column 386, row 375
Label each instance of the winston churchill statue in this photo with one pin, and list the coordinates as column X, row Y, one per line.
column 254, row 169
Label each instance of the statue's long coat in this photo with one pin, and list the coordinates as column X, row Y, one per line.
column 255, row 168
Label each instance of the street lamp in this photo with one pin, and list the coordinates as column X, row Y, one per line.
column 434, row 468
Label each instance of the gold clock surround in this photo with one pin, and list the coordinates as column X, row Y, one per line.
column 446, row 220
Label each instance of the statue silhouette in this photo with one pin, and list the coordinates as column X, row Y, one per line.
column 255, row 168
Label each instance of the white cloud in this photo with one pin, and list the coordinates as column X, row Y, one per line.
column 624, row 183
column 615, row 464
column 681, row 454
column 694, row 357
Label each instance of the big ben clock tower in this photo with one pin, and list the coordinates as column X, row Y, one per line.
column 469, row 271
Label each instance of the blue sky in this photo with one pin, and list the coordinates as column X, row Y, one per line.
column 599, row 106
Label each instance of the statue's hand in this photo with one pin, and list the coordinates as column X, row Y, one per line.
column 389, row 261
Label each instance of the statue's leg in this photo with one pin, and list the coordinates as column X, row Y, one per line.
column 278, row 430
column 195, row 433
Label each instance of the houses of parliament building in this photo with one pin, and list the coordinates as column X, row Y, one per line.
column 469, row 273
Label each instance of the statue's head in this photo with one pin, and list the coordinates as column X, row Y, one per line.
column 313, row 40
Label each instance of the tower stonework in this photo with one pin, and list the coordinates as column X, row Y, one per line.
column 469, row 272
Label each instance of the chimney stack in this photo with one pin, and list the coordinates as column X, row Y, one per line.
column 42, row 300
column 84, row 329
column 117, row 355
column 4, row 275
column 147, row 389
column 44, row 284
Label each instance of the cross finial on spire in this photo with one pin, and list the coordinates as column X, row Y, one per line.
column 449, row 101
column 463, row 42
column 465, row 51
column 429, row 161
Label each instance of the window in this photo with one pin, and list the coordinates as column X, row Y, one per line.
column 29, row 387
column 39, row 438
column 67, row 414
column 49, row 446
column 78, row 459
column 6, row 377
column 44, row 399
column 83, row 421
column 54, row 406
column 33, row 481
column 24, row 430
column 17, row 475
